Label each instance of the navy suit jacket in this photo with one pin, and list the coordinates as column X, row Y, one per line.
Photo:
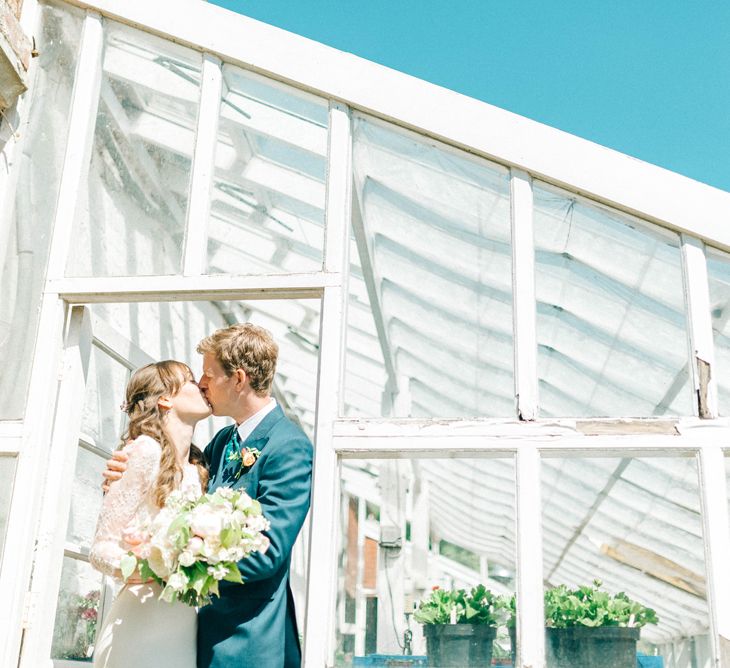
column 253, row 625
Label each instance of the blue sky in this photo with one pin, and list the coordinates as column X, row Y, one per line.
column 650, row 78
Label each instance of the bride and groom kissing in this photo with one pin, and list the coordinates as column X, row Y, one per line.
column 264, row 454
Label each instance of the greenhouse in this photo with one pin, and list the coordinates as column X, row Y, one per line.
column 509, row 345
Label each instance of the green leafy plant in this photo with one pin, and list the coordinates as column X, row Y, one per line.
column 592, row 606
column 479, row 606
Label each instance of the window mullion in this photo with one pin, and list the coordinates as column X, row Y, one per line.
column 713, row 492
column 203, row 168
column 523, row 294
column 699, row 321
column 530, row 614
column 322, row 567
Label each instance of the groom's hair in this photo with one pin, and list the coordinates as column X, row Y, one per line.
column 248, row 347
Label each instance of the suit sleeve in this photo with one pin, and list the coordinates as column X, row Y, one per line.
column 284, row 489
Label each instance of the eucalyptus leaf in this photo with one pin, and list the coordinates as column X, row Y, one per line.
column 127, row 565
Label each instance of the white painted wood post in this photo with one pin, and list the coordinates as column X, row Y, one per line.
column 530, row 608
column 699, row 328
column 713, row 490
column 324, row 536
column 391, row 557
column 23, row 514
column 57, row 491
column 360, row 599
column 523, row 295
column 195, row 254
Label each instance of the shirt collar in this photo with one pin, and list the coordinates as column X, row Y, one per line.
column 245, row 429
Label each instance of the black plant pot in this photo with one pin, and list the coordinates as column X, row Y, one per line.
column 597, row 647
column 459, row 645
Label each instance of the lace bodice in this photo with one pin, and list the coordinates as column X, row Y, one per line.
column 129, row 503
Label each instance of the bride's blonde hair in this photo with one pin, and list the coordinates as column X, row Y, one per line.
column 145, row 388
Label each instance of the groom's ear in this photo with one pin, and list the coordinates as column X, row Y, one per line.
column 240, row 378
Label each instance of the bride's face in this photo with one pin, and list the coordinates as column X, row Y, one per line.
column 189, row 402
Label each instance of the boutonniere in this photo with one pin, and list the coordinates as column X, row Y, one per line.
column 247, row 457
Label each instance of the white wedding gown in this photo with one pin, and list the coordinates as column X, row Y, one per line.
column 139, row 630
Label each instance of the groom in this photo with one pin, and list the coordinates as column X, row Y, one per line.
column 265, row 454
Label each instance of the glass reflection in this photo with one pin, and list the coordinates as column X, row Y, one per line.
column 409, row 526
column 130, row 217
column 86, row 498
column 102, row 421
column 79, row 611
column 7, row 480
column 611, row 324
column 430, row 309
column 25, row 231
column 634, row 524
column 267, row 208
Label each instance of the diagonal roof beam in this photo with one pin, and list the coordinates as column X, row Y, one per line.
column 600, row 498
column 372, row 281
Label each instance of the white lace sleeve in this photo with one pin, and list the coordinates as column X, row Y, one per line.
column 122, row 504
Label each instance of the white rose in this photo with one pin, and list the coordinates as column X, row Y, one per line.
column 206, row 521
column 187, row 558
column 160, row 562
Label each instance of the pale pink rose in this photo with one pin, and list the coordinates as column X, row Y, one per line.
column 196, row 545
column 249, row 459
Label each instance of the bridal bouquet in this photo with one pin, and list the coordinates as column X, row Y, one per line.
column 194, row 543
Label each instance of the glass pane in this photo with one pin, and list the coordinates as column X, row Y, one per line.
column 78, row 611
column 7, row 479
column 25, row 234
column 718, row 271
column 172, row 330
column 86, row 498
column 102, row 421
column 430, row 304
column 267, row 208
column 409, row 526
column 611, row 326
column 131, row 212
column 635, row 524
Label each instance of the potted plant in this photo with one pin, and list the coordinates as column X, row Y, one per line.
column 590, row 627
column 460, row 627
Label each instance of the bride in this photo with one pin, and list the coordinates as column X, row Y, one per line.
column 164, row 404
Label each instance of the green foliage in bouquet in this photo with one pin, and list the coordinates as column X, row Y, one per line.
column 479, row 606
column 592, row 606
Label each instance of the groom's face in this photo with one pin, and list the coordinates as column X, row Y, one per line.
column 219, row 389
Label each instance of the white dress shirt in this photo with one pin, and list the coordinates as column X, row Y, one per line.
column 245, row 429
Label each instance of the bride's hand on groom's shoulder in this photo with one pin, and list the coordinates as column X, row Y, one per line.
column 115, row 467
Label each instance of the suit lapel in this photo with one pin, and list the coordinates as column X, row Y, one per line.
column 259, row 437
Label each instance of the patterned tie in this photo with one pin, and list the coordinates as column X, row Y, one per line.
column 233, row 446
column 231, row 458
